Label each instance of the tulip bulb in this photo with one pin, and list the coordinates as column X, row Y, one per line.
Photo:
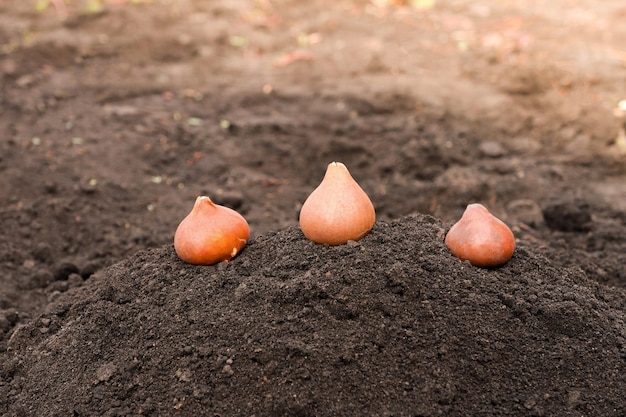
column 481, row 238
column 210, row 233
column 338, row 210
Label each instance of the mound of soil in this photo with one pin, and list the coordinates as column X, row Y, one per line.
column 390, row 325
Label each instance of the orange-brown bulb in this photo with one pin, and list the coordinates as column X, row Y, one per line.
column 481, row 238
column 338, row 210
column 210, row 233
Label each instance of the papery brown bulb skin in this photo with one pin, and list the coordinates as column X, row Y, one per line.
column 210, row 233
column 481, row 238
column 338, row 210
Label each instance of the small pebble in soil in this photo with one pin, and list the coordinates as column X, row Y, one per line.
column 105, row 372
column 63, row 270
column 491, row 149
column 89, row 268
column 228, row 370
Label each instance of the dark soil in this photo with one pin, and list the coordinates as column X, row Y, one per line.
column 390, row 325
column 112, row 121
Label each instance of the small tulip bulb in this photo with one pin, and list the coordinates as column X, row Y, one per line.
column 338, row 210
column 481, row 238
column 210, row 233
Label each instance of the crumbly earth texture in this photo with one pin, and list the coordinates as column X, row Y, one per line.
column 390, row 325
column 116, row 114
